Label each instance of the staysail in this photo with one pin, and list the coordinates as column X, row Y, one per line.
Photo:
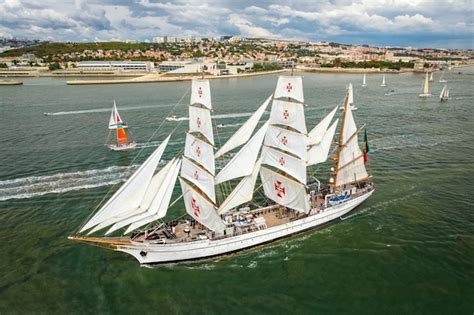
column 318, row 153
column 245, row 131
column 317, row 133
column 130, row 196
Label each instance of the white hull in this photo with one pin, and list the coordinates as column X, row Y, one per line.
column 150, row 253
column 425, row 95
column 123, row 147
column 383, row 84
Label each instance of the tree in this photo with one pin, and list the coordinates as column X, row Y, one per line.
column 54, row 66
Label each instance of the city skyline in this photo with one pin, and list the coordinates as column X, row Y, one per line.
column 414, row 23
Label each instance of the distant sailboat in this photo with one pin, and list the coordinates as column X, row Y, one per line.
column 426, row 87
column 444, row 96
column 441, row 80
column 364, row 83
column 116, row 123
column 383, row 81
column 431, row 76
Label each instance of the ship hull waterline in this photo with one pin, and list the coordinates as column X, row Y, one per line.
column 152, row 253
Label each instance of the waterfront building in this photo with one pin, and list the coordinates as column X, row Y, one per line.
column 116, row 65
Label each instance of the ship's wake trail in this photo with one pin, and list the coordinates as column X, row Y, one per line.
column 221, row 116
column 34, row 186
column 102, row 110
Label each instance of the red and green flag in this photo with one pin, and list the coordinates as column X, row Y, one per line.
column 366, row 147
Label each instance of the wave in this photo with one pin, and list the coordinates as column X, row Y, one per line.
column 228, row 125
column 220, row 116
column 34, row 186
column 102, row 110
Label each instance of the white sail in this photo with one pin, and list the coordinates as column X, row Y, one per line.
column 150, row 193
column 288, row 114
column 115, row 119
column 350, row 166
column 243, row 161
column 201, row 93
column 319, row 153
column 131, row 194
column 243, row 134
column 350, row 92
column 431, row 76
column 318, row 132
column 163, row 205
column 291, row 87
column 158, row 199
column 200, row 151
column 289, row 164
column 284, row 191
column 242, row 193
column 199, row 177
column 200, row 121
column 287, row 140
column 426, row 86
column 364, row 83
column 200, row 209
column 383, row 81
column 443, row 91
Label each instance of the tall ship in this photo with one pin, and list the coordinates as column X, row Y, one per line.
column 257, row 188
column 117, row 126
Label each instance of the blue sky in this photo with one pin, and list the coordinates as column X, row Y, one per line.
column 415, row 23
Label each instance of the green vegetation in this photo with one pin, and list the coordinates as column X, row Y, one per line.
column 259, row 67
column 3, row 65
column 369, row 64
column 54, row 66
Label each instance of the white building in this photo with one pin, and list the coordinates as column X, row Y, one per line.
column 160, row 39
column 116, row 65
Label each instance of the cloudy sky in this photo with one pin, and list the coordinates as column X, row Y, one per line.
column 416, row 23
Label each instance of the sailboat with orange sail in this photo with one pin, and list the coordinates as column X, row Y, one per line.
column 122, row 141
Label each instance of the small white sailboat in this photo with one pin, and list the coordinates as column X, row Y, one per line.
column 441, row 78
column 426, row 87
column 444, row 96
column 122, row 141
column 431, row 76
column 383, row 81
column 350, row 95
column 215, row 223
column 364, row 81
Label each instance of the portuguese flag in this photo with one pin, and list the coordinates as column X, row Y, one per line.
column 366, row 147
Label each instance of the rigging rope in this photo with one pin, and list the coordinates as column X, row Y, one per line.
column 134, row 159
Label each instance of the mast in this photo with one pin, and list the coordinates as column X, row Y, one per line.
column 349, row 162
column 198, row 169
column 287, row 185
column 340, row 143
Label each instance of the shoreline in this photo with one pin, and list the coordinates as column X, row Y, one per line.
column 157, row 78
column 10, row 82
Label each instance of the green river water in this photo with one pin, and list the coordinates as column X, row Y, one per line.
column 408, row 249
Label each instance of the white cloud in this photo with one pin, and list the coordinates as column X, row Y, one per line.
column 337, row 20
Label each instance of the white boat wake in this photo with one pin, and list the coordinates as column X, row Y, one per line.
column 34, row 186
column 221, row 116
column 103, row 110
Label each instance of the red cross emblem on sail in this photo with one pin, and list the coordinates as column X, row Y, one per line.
column 281, row 161
column 196, row 175
column 199, row 92
column 196, row 208
column 289, row 87
column 280, row 190
column 198, row 122
column 284, row 140
column 198, row 151
column 286, row 114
